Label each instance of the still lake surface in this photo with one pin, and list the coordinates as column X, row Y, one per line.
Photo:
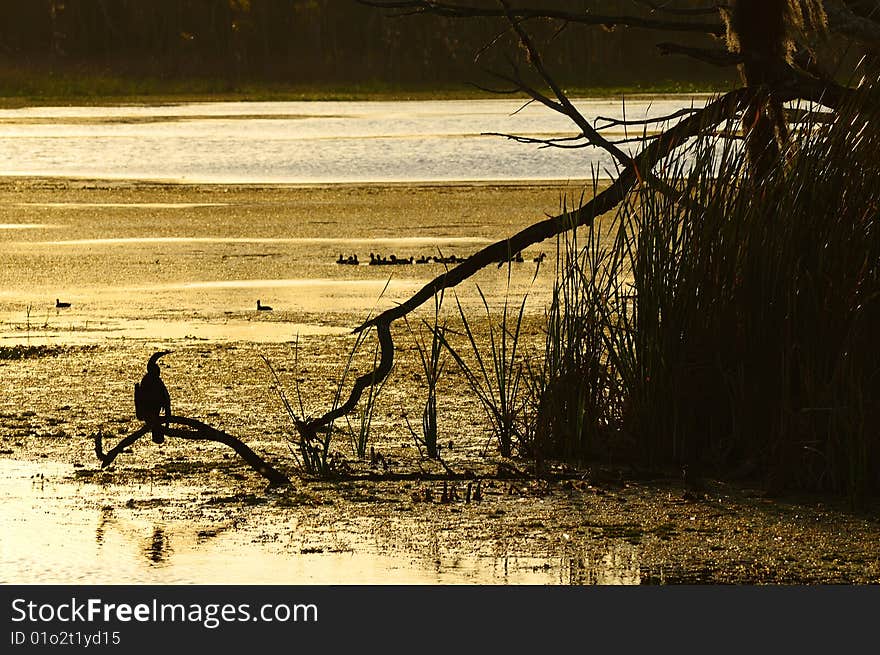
column 311, row 142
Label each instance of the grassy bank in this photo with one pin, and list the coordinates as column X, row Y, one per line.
column 20, row 88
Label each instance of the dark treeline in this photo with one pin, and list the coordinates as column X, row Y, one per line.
column 314, row 42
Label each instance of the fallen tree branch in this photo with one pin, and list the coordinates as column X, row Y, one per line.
column 197, row 431
column 308, row 428
column 713, row 114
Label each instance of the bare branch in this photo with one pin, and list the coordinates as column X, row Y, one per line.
column 198, row 431
column 713, row 114
column 455, row 10
column 674, row 11
column 714, row 56
column 615, row 122
column 559, row 142
column 563, row 104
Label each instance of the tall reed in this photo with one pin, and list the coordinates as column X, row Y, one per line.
column 360, row 431
column 433, row 363
column 571, row 409
column 495, row 376
column 732, row 322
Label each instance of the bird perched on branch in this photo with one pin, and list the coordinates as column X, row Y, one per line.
column 151, row 397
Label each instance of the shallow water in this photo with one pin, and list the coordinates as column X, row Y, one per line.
column 68, row 533
column 314, row 142
column 151, row 264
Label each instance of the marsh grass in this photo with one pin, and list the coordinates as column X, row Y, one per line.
column 433, row 363
column 571, row 391
column 313, row 453
column 359, row 430
column 730, row 325
column 310, row 455
column 493, row 367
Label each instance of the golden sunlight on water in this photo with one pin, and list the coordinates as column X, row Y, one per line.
column 55, row 532
column 306, row 142
column 140, row 261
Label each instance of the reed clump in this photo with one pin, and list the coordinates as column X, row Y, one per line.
column 730, row 325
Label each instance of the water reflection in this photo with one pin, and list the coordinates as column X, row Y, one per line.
column 157, row 548
column 615, row 565
column 67, row 533
column 104, row 520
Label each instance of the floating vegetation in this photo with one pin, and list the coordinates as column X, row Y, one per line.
column 30, row 352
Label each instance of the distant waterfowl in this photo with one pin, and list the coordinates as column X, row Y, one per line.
column 151, row 397
column 263, row 308
column 393, row 260
column 540, row 258
column 61, row 305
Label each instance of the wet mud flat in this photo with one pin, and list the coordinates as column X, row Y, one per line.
column 194, row 512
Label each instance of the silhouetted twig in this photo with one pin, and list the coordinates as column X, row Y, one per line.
column 195, row 430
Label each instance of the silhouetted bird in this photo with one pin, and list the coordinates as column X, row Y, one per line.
column 263, row 308
column 61, row 305
column 151, row 397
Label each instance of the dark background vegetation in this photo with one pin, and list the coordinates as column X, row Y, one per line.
column 226, row 44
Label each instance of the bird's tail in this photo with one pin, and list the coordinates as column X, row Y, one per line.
column 158, row 433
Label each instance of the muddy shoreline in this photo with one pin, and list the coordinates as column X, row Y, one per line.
column 169, row 506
